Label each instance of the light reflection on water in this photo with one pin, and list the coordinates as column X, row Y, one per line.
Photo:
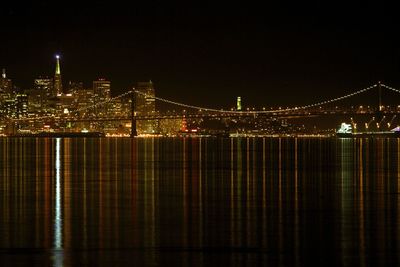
column 58, row 220
column 200, row 202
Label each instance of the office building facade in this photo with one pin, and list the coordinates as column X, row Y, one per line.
column 145, row 106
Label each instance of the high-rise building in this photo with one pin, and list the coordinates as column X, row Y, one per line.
column 239, row 103
column 16, row 106
column 83, row 98
column 58, row 88
column 101, row 93
column 102, row 89
column 39, row 97
column 44, row 85
column 5, row 83
column 170, row 127
column 36, row 100
column 145, row 105
column 64, row 103
column 21, row 103
column 74, row 87
column 9, row 108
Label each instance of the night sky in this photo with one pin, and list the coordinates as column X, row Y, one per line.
column 207, row 53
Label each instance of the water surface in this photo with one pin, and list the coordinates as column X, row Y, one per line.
column 199, row 202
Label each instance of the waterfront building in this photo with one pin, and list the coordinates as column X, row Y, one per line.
column 170, row 127
column 145, row 106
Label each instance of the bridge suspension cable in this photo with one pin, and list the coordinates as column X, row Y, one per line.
column 185, row 105
column 260, row 111
column 317, row 104
column 338, row 98
column 390, row 88
column 103, row 103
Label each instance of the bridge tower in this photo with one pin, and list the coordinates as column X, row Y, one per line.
column 133, row 115
column 379, row 97
column 379, row 112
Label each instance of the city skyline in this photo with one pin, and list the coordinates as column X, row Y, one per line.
column 63, row 87
column 47, row 108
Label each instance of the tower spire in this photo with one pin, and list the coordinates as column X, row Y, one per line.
column 4, row 74
column 58, row 90
column 58, row 71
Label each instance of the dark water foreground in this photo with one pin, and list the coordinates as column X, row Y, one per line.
column 199, row 202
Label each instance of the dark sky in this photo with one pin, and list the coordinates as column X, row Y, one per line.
column 207, row 52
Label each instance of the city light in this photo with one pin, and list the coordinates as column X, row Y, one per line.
column 76, row 109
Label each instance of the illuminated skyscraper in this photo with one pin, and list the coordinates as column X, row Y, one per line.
column 44, row 85
column 102, row 89
column 239, row 103
column 21, row 105
column 74, row 87
column 5, row 83
column 101, row 93
column 15, row 106
column 39, row 96
column 145, row 105
column 8, row 108
column 58, row 88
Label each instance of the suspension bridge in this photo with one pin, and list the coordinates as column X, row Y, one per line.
column 309, row 110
